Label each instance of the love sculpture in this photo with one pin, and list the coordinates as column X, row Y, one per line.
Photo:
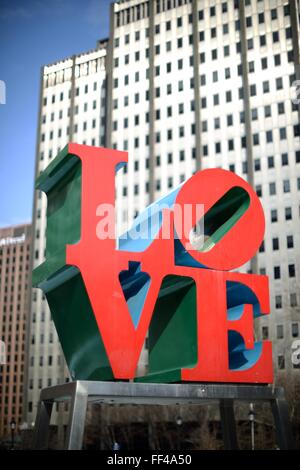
column 106, row 295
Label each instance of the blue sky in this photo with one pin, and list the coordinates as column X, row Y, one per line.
column 34, row 33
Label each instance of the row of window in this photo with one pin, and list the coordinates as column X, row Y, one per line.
column 267, row 112
column 60, row 96
column 85, row 127
column 13, row 249
column 291, row 271
column 203, row 78
column 275, row 244
column 280, row 331
column 81, row 70
column 140, row 11
column 214, row 99
column 214, row 53
column 50, row 361
column 288, row 214
column 286, row 188
column 293, row 302
column 76, row 111
column 170, row 134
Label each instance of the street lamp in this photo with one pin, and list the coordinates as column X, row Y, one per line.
column 251, row 419
column 12, row 429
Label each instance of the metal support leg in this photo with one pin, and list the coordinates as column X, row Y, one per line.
column 77, row 418
column 42, row 424
column 228, row 424
column 283, row 429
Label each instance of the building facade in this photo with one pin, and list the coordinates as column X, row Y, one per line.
column 15, row 243
column 188, row 85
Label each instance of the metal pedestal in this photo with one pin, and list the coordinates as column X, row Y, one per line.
column 80, row 392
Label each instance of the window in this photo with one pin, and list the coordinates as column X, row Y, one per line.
column 278, row 301
column 296, row 131
column 266, row 87
column 272, row 189
column 280, row 362
column 265, row 332
column 279, row 83
column 275, row 244
column 261, row 18
column 269, row 136
column 264, row 63
column 267, row 110
column 276, row 272
column 295, row 330
column 226, row 51
column 280, row 108
column 288, row 213
column 230, row 120
column 270, row 162
column 277, row 59
column 292, row 271
column 274, row 217
column 275, row 36
column 262, row 40
column 282, row 133
column 293, row 300
column 274, row 14
column 286, row 186
column 280, row 332
column 290, row 241
column 216, row 100
column 254, row 114
column 284, row 159
column 252, row 90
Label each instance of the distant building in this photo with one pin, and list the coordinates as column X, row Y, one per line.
column 15, row 243
column 185, row 85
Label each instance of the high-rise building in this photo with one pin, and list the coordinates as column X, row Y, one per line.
column 15, row 245
column 194, row 84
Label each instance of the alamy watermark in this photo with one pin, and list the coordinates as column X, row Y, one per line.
column 2, row 92
column 157, row 223
column 296, row 352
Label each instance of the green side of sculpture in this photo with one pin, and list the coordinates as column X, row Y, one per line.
column 63, row 285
